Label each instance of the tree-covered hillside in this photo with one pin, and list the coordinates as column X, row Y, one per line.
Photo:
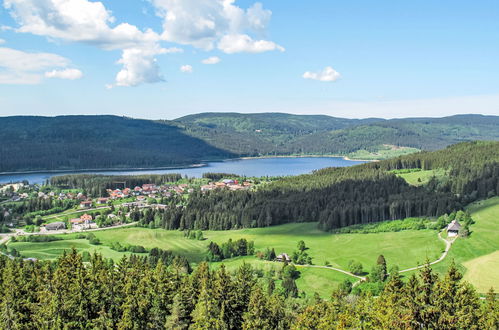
column 339, row 197
column 88, row 142
column 261, row 133
column 282, row 134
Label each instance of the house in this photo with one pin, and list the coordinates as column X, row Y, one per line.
column 102, row 200
column 86, row 204
column 83, row 222
column 55, row 226
column 453, row 228
column 86, row 218
column 283, row 257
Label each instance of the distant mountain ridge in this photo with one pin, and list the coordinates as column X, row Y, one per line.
column 302, row 134
column 90, row 142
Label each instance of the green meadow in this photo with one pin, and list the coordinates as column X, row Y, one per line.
column 405, row 248
column 478, row 255
column 419, row 178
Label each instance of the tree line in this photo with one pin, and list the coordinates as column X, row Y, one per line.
column 145, row 293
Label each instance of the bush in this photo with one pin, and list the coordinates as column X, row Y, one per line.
column 355, row 267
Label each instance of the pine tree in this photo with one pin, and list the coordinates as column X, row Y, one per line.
column 258, row 314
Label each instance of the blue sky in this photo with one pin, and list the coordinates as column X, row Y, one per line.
column 361, row 58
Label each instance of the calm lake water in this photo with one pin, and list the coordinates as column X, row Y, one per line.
column 247, row 167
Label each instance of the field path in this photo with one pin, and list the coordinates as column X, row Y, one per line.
column 361, row 278
column 448, row 244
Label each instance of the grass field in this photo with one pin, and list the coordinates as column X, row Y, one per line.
column 51, row 250
column 405, row 248
column 478, row 255
column 420, row 178
column 384, row 152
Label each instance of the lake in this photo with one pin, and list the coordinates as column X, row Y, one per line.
column 278, row 166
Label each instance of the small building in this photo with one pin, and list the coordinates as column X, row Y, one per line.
column 102, row 200
column 453, row 228
column 86, row 204
column 55, row 226
column 283, row 257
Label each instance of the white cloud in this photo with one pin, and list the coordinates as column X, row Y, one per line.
column 138, row 67
column 18, row 67
column 2, row 41
column 91, row 23
column 206, row 23
column 211, row 60
column 238, row 43
column 186, row 68
column 69, row 74
column 327, row 75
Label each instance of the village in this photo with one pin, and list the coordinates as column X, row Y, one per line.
column 76, row 211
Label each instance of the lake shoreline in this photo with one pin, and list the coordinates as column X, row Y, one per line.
column 308, row 156
column 114, row 169
column 181, row 167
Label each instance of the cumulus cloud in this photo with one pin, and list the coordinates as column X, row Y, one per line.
column 186, row 68
column 327, row 75
column 206, row 23
column 211, row 60
column 239, row 43
column 69, row 74
column 2, row 41
column 18, row 67
column 91, row 23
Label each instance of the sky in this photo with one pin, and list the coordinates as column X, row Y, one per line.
column 163, row 59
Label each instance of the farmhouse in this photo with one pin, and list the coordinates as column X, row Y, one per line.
column 453, row 228
column 55, row 226
column 283, row 257
column 102, row 200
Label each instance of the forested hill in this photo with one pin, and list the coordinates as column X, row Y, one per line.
column 281, row 134
column 339, row 197
column 89, row 142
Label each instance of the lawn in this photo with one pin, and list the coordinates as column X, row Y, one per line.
column 405, row 248
column 477, row 255
column 51, row 250
column 419, row 178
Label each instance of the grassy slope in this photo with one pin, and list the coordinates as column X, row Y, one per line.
column 384, row 152
column 424, row 176
column 407, row 248
column 52, row 250
column 473, row 254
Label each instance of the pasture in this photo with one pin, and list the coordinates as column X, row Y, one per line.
column 477, row 256
column 405, row 248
